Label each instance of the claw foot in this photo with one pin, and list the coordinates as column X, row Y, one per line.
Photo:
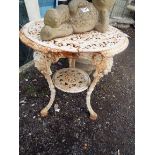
column 93, row 116
column 44, row 112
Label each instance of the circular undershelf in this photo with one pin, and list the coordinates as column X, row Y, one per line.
column 71, row 80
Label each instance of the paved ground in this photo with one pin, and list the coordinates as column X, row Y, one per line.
column 70, row 132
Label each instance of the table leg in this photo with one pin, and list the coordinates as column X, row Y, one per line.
column 103, row 66
column 72, row 63
column 43, row 64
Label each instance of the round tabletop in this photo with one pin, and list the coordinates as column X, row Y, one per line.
column 112, row 42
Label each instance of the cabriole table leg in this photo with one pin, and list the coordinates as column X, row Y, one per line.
column 103, row 66
column 93, row 115
column 43, row 64
column 44, row 111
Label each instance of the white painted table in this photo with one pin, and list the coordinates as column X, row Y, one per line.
column 97, row 47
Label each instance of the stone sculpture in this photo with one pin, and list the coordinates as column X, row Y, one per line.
column 78, row 16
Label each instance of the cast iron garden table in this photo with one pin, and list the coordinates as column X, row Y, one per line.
column 97, row 47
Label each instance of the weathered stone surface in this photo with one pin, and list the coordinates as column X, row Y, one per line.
column 81, row 14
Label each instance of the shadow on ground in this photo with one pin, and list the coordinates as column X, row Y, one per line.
column 70, row 132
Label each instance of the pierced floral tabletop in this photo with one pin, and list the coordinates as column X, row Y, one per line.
column 113, row 41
